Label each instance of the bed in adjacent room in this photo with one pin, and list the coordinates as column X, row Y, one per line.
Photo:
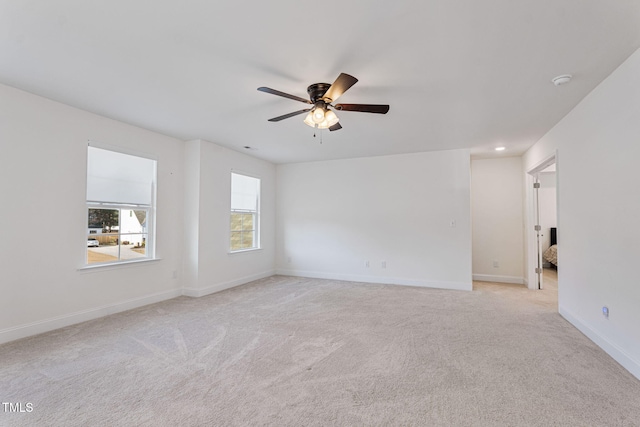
column 551, row 254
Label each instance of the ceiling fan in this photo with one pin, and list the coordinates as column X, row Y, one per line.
column 322, row 95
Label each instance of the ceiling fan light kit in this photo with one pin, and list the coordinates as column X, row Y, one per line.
column 321, row 115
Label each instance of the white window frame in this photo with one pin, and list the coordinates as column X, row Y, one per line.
column 122, row 236
column 150, row 216
column 256, row 214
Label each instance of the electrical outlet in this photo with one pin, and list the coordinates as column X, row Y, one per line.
column 383, row 264
column 288, row 260
column 175, row 274
column 366, row 264
column 496, row 264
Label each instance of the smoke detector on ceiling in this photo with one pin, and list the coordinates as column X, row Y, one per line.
column 561, row 80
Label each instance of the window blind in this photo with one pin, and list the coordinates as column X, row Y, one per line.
column 244, row 193
column 114, row 177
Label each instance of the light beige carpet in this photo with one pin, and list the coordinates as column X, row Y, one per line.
column 287, row 351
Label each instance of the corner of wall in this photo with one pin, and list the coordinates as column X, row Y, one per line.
column 191, row 213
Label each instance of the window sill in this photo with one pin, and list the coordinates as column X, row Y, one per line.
column 242, row 251
column 115, row 265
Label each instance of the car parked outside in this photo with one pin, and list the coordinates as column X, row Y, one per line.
column 92, row 243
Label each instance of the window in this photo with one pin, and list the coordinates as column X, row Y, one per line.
column 120, row 207
column 245, row 213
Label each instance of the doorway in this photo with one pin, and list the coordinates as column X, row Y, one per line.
column 542, row 201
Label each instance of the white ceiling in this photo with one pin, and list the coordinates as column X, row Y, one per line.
column 457, row 73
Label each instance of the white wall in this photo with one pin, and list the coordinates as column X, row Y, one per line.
column 497, row 219
column 43, row 158
column 333, row 216
column 209, row 267
column 598, row 209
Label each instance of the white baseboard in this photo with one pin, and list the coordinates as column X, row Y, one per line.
column 619, row 355
column 460, row 286
column 23, row 331
column 199, row 292
column 499, row 279
column 39, row 327
column 34, row 328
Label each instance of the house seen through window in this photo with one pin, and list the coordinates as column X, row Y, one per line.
column 245, row 212
column 120, row 206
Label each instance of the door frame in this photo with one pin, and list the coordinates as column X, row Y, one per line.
column 531, row 209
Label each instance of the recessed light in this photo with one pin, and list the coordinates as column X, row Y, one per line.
column 247, row 147
column 500, row 148
column 561, row 80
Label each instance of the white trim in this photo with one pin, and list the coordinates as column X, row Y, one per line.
column 199, row 292
column 96, row 204
column 257, row 226
column 240, row 251
column 122, row 150
column 531, row 246
column 151, row 208
column 499, row 279
column 459, row 286
column 39, row 327
column 249, row 174
column 115, row 264
column 618, row 354
column 543, row 164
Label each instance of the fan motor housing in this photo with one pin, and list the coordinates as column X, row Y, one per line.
column 317, row 90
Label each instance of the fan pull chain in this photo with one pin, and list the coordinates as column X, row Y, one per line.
column 314, row 133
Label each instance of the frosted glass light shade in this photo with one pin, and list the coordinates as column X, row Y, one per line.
column 309, row 120
column 331, row 118
column 318, row 115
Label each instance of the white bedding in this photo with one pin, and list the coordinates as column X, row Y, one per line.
column 551, row 255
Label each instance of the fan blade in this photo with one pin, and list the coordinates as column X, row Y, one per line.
column 286, row 116
column 340, row 86
column 285, row 95
column 337, row 126
column 364, row 108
